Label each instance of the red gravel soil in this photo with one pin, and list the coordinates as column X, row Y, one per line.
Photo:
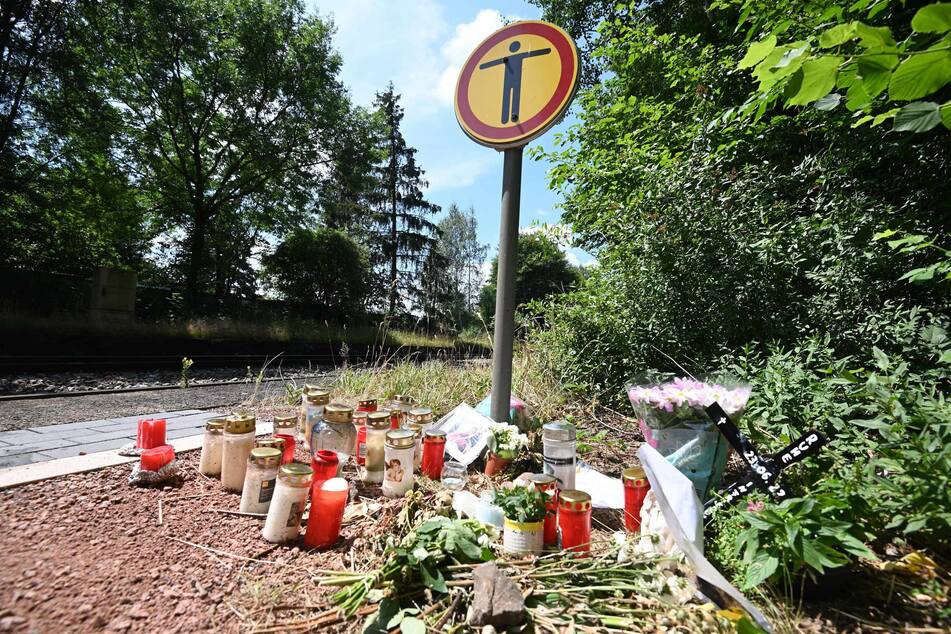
column 87, row 553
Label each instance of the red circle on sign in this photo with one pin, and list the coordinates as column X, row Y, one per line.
column 513, row 134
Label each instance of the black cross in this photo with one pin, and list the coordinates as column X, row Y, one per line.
column 764, row 470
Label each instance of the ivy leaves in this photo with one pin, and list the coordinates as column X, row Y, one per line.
column 866, row 64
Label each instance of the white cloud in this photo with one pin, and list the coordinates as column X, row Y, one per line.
column 464, row 39
column 572, row 258
column 462, row 172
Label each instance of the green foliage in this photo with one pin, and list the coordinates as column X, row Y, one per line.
column 542, row 270
column 521, row 503
column 871, row 69
column 187, row 364
column 910, row 243
column 322, row 269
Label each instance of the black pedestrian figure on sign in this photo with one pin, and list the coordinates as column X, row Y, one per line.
column 512, row 85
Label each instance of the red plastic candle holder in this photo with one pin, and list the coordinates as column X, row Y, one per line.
column 324, row 463
column 636, row 487
column 327, row 504
column 434, row 454
column 142, row 433
column 157, row 457
column 574, row 520
column 360, row 452
column 290, row 444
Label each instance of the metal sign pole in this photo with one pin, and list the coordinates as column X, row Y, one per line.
column 505, row 289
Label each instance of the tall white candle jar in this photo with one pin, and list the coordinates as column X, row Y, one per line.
column 260, row 479
column 237, row 445
column 287, row 505
column 558, row 441
column 419, row 419
column 211, row 446
column 398, row 462
column 335, row 432
column 285, row 424
column 378, row 423
column 314, row 403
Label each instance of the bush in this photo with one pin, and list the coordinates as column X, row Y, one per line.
column 323, row 270
column 885, row 475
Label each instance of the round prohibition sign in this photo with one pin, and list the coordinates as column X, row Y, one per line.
column 517, row 84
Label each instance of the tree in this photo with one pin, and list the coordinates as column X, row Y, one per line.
column 437, row 296
column 321, row 270
column 400, row 233
column 227, row 107
column 459, row 246
column 541, row 271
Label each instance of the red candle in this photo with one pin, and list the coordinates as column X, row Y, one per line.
column 288, row 449
column 157, row 433
column 326, row 513
column 366, row 405
column 360, row 454
column 636, row 487
column 434, row 453
column 157, row 457
column 142, row 433
column 548, row 486
column 394, row 419
column 324, row 463
column 574, row 520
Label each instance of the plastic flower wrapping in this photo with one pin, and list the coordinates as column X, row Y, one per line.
column 670, row 403
column 505, row 440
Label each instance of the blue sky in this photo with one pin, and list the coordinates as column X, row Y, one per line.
column 420, row 45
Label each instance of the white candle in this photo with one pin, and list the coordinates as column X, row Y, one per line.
column 260, row 480
column 287, row 505
column 211, row 446
column 238, row 443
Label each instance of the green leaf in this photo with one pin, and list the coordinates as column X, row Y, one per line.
column 888, row 233
column 916, row 525
column 945, row 357
column 757, row 52
column 836, row 35
column 946, row 114
column 811, row 555
column 918, row 116
column 818, row 78
column 412, row 625
column 933, row 18
column 829, row 102
column 432, row 577
column 881, row 118
column 874, row 36
column 761, row 568
column 920, row 75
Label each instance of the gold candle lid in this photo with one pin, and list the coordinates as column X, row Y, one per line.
column 406, row 399
column 378, row 420
column 239, row 424
column 541, row 479
column 367, row 403
column 285, row 420
column 215, row 424
column 400, row 438
column 265, row 456
column 572, row 500
column 434, row 435
column 317, row 397
column 277, row 443
column 338, row 413
column 296, row 473
column 360, row 417
column 633, row 473
column 421, row 415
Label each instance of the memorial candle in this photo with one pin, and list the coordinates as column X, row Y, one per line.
column 324, row 464
column 636, row 487
column 287, row 451
column 287, row 505
column 434, row 453
column 327, row 504
column 157, row 433
column 574, row 520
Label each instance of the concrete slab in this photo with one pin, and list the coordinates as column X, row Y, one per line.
column 19, row 436
column 75, row 432
column 56, row 429
column 64, row 451
column 42, row 443
column 21, row 459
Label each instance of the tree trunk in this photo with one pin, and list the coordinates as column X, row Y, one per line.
column 196, row 250
column 394, row 245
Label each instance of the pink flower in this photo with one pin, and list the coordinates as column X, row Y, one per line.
column 755, row 507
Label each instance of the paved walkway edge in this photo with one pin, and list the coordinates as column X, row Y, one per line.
column 25, row 474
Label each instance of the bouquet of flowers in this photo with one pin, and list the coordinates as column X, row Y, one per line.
column 672, row 403
column 505, row 440
column 673, row 419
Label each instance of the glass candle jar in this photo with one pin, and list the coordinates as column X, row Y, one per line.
column 314, row 403
column 453, row 475
column 398, row 462
column 327, row 504
column 399, row 407
column 548, row 487
column 636, row 487
column 285, row 424
column 574, row 520
column 558, row 441
column 259, row 480
column 238, row 442
column 277, row 443
column 419, row 419
column 359, row 424
column 335, row 432
column 434, row 453
column 366, row 405
column 377, row 425
column 287, row 505
column 211, row 443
